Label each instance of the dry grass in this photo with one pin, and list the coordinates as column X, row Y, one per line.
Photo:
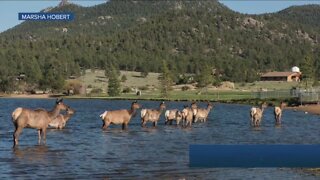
column 267, row 85
column 97, row 79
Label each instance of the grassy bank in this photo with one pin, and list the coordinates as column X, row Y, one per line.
column 214, row 96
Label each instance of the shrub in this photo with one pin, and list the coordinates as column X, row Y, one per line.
column 96, row 91
column 143, row 88
column 126, row 90
column 123, row 78
column 74, row 85
column 185, row 88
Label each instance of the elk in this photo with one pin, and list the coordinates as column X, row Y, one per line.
column 152, row 115
column 37, row 119
column 61, row 120
column 187, row 116
column 194, row 109
column 117, row 117
column 202, row 114
column 172, row 115
column 278, row 112
column 256, row 114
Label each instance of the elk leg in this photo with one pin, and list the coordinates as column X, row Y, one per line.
column 44, row 135
column 105, row 125
column 16, row 135
column 187, row 123
column 143, row 123
column 124, row 126
column 279, row 119
column 155, row 124
column 39, row 136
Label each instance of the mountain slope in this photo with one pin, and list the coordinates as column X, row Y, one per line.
column 139, row 35
column 307, row 15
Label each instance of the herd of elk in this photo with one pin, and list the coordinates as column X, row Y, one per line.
column 37, row 119
column 41, row 119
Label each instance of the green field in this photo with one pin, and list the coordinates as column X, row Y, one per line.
column 149, row 87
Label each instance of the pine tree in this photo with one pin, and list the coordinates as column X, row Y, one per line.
column 205, row 77
column 308, row 70
column 114, row 83
column 123, row 78
column 165, row 80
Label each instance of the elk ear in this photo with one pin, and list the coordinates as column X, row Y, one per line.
column 185, row 106
column 59, row 100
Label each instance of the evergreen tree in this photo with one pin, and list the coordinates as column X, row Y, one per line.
column 308, row 71
column 113, row 83
column 205, row 77
column 123, row 78
column 165, row 80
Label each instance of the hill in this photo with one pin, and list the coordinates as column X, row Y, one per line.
column 139, row 35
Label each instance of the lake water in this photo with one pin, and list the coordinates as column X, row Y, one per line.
column 83, row 150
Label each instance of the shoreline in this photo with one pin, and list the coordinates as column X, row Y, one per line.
column 309, row 108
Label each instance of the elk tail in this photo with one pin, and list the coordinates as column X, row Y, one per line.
column 103, row 115
column 16, row 113
column 143, row 112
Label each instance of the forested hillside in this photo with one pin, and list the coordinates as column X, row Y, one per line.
column 139, row 35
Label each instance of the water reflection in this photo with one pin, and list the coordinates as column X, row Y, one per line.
column 35, row 153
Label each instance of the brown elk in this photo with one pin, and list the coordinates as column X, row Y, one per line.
column 117, row 117
column 194, row 108
column 152, row 115
column 171, row 115
column 256, row 114
column 202, row 114
column 37, row 119
column 61, row 120
column 278, row 112
column 187, row 116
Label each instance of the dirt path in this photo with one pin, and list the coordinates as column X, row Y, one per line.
column 313, row 109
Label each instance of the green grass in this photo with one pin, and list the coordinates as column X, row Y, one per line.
column 182, row 96
column 242, row 91
column 267, row 85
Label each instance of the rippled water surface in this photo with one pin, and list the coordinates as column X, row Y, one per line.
column 83, row 150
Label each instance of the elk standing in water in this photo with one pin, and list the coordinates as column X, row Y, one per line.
column 194, row 108
column 256, row 114
column 37, row 119
column 187, row 116
column 172, row 115
column 152, row 115
column 61, row 120
column 119, row 116
column 202, row 114
column 278, row 113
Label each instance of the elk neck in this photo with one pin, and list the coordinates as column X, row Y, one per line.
column 54, row 112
